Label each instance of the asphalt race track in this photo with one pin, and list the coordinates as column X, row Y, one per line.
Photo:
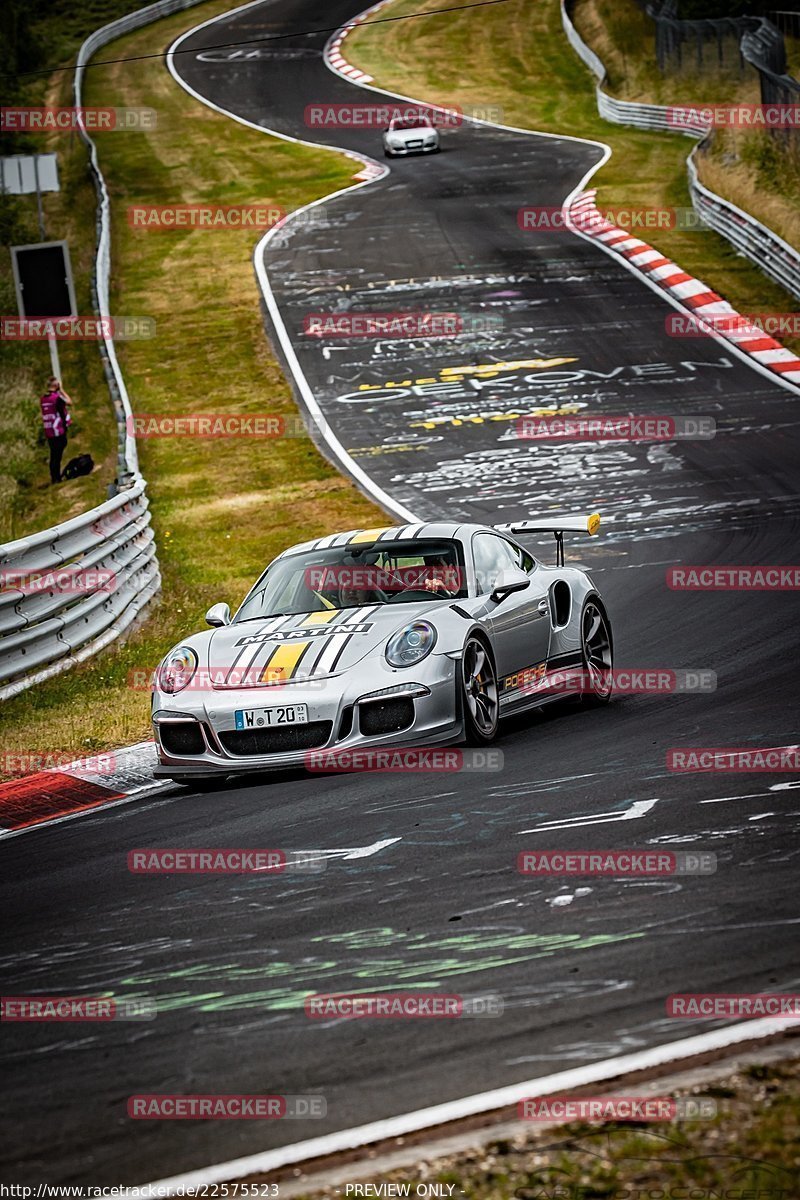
column 441, row 906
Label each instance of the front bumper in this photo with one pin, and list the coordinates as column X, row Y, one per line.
column 337, row 701
column 406, row 151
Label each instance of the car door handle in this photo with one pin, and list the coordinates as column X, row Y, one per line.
column 543, row 607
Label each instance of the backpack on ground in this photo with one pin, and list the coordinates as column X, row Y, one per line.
column 82, row 465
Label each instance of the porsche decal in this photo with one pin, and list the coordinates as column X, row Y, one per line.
column 524, row 679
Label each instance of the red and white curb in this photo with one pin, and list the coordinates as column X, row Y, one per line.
column 334, row 56
column 77, row 787
column 333, row 51
column 691, row 293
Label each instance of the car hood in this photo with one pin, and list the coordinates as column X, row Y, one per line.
column 306, row 645
column 412, row 135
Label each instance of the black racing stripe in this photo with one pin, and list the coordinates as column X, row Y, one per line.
column 323, row 642
column 263, row 647
column 357, row 615
column 320, row 649
column 340, row 652
column 255, row 647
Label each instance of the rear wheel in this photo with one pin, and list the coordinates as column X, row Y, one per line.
column 598, row 653
column 479, row 694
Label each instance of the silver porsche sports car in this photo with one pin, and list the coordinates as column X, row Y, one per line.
column 418, row 635
column 410, row 135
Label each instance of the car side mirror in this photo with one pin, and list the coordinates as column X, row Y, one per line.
column 509, row 580
column 217, row 615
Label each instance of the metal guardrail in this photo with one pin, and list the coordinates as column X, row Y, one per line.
column 128, row 463
column 69, row 591
column 775, row 257
column 761, row 245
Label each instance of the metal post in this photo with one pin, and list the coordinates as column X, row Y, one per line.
column 39, row 196
column 54, row 363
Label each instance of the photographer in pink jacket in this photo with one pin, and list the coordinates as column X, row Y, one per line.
column 56, row 419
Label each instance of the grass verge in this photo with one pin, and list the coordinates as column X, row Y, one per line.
column 748, row 1150
column 38, row 41
column 515, row 56
column 222, row 507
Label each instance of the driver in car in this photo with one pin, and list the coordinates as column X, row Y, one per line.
column 439, row 576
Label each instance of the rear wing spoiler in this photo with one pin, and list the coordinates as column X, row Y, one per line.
column 558, row 524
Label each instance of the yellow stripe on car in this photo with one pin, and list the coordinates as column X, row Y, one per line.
column 285, row 659
column 367, row 535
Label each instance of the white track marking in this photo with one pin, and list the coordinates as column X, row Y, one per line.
column 637, row 809
column 349, row 853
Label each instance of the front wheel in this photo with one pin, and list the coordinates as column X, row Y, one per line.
column 598, row 653
column 479, row 694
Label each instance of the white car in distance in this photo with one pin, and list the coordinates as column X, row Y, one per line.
column 410, row 135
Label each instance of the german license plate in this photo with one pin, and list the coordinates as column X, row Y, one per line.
column 261, row 718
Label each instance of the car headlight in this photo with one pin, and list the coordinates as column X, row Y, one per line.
column 410, row 645
column 177, row 670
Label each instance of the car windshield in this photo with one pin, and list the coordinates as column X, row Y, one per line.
column 351, row 576
column 410, row 123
